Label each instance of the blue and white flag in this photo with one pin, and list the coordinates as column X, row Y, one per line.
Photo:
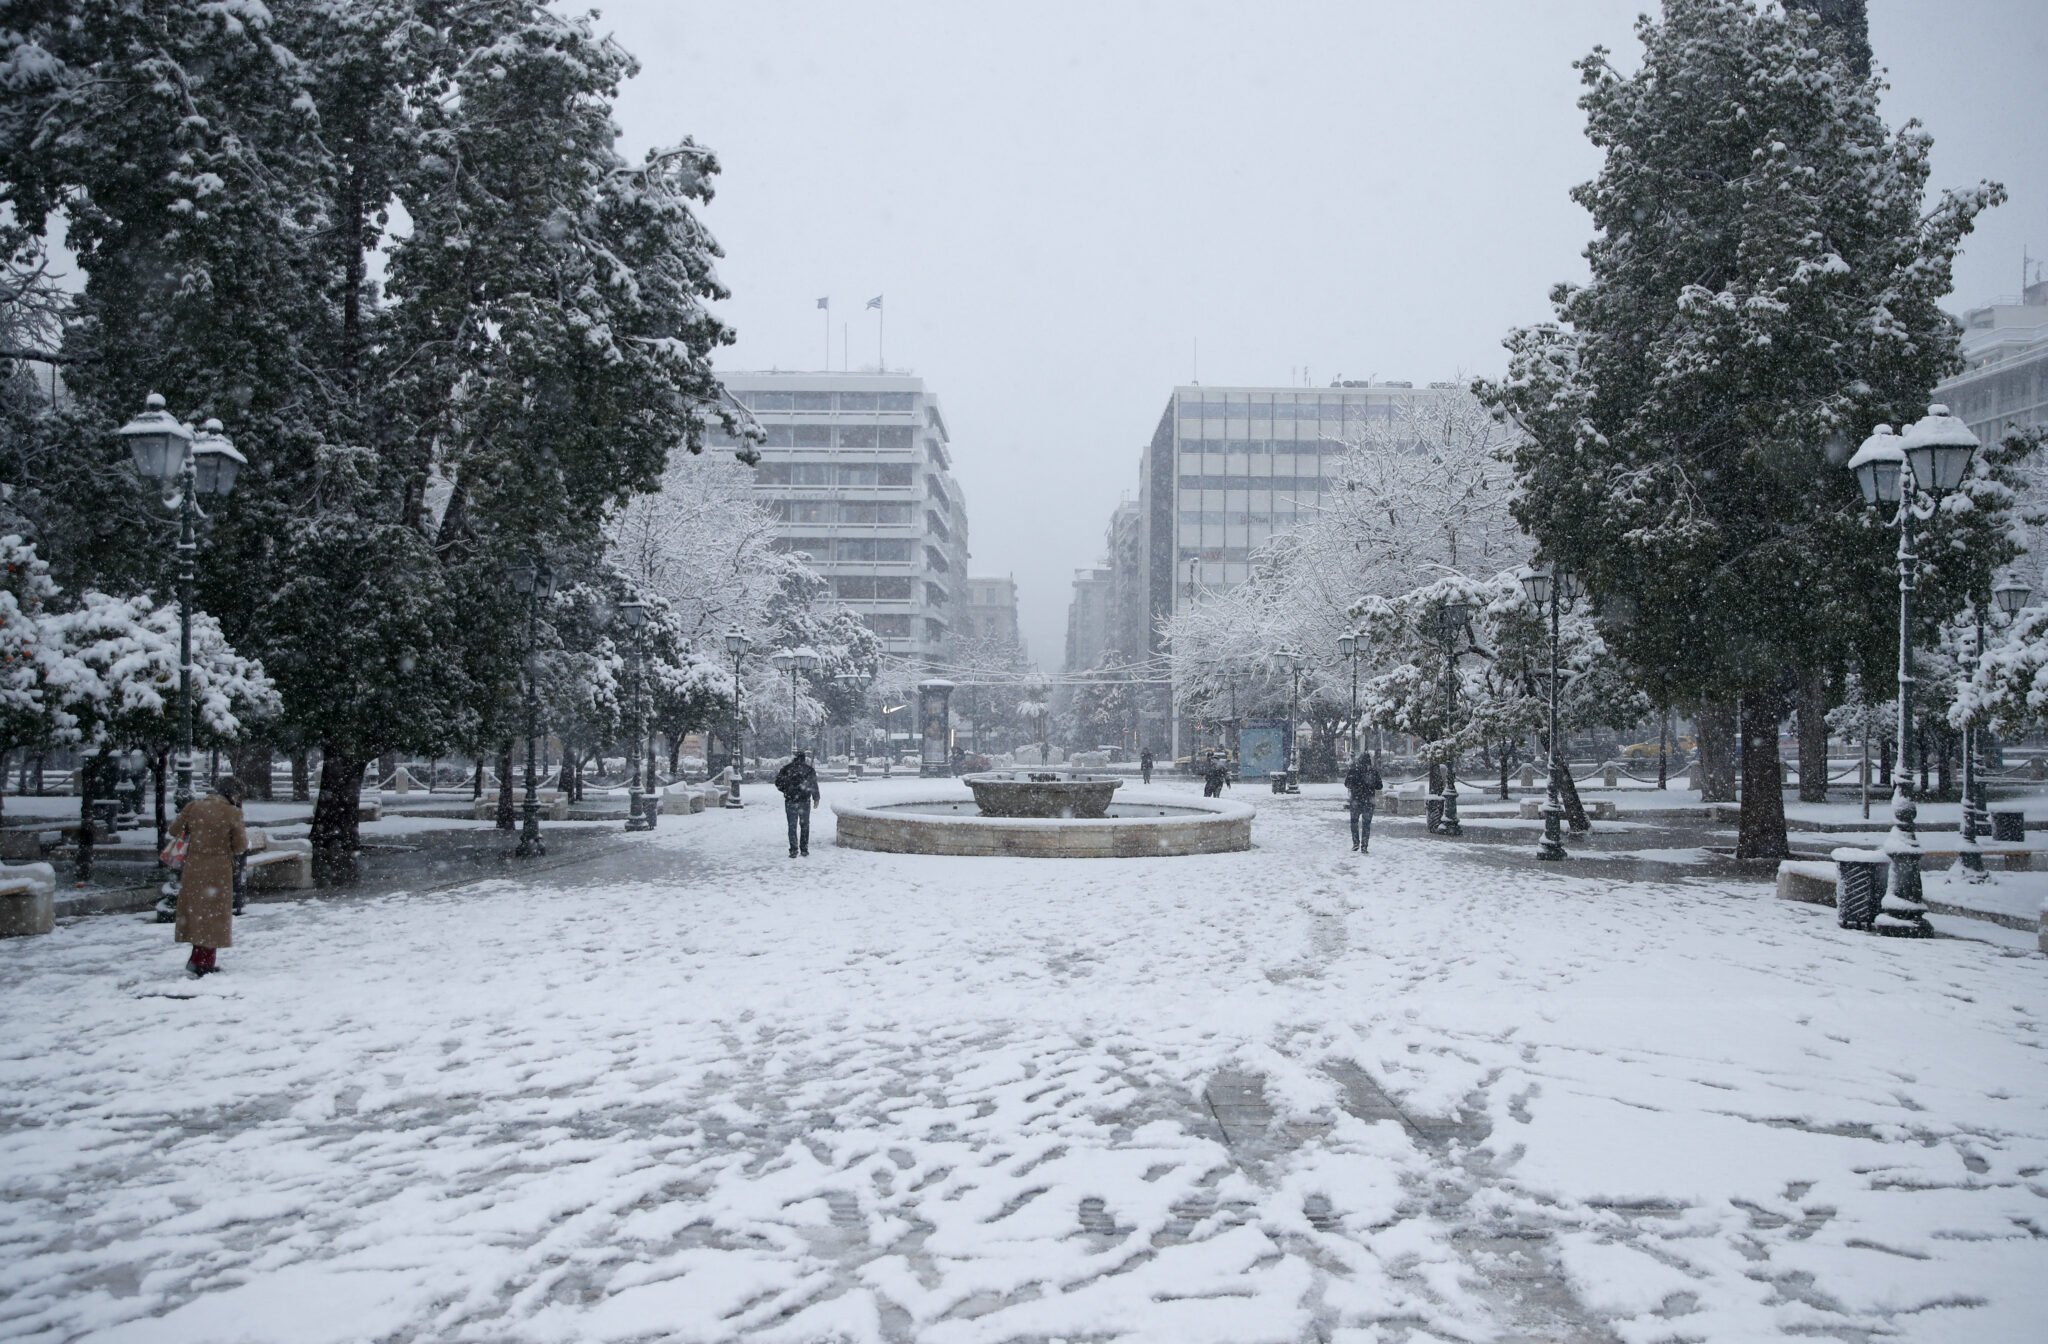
column 824, row 303
column 875, row 302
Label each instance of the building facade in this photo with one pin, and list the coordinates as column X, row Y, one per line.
column 1226, row 471
column 858, row 472
column 2005, row 382
column 990, row 612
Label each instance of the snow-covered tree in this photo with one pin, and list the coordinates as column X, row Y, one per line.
column 41, row 684
column 1765, row 281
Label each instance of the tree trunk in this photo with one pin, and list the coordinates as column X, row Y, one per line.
column 302, row 777
column 1663, row 747
column 476, row 788
column 1714, row 771
column 1920, row 753
column 1762, row 832
column 336, row 837
column 507, row 820
column 1884, row 761
column 251, row 763
column 1507, row 751
column 1567, row 790
column 1944, row 753
column 1813, row 736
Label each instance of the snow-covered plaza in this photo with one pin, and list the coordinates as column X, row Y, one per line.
column 695, row 1091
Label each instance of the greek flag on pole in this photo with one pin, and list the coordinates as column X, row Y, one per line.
column 824, row 303
column 875, row 302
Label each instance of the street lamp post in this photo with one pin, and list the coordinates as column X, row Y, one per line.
column 803, row 658
column 1932, row 457
column 1289, row 660
column 1351, row 647
column 1541, row 583
column 533, row 580
column 166, row 451
column 736, row 643
column 639, row 816
column 2011, row 597
column 1451, row 618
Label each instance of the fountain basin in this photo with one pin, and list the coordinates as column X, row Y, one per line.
column 1137, row 827
column 1042, row 793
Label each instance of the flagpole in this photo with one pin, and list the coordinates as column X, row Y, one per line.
column 827, row 306
column 881, row 328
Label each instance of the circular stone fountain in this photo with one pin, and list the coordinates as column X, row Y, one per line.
column 1042, row 793
column 1069, row 817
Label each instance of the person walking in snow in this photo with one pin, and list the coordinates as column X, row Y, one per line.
column 1145, row 764
column 798, row 783
column 1363, row 782
column 1215, row 777
column 214, row 834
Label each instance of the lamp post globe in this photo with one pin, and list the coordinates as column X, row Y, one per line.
column 215, row 461
column 157, row 441
column 1939, row 449
column 2012, row 596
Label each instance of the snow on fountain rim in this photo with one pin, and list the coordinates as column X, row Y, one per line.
column 1201, row 812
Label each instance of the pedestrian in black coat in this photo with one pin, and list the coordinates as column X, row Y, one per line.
column 1362, row 781
column 1145, row 764
column 1215, row 778
column 798, row 783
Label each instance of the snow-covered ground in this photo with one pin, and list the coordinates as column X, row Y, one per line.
column 695, row 1091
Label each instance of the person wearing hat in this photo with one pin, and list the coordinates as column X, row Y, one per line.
column 797, row 781
column 214, row 834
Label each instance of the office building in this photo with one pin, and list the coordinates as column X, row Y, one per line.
column 2005, row 382
column 1089, row 614
column 858, row 472
column 990, row 614
column 1226, row 471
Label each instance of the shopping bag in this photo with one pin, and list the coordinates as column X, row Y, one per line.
column 173, row 853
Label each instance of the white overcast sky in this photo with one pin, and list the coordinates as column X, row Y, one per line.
column 1060, row 199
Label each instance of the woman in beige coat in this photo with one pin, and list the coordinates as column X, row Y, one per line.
column 214, row 834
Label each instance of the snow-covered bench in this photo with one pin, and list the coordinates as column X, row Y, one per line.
column 554, row 805
column 278, row 865
column 28, row 899
column 1808, row 880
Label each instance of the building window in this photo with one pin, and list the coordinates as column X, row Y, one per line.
column 813, row 401
column 933, row 560
column 897, row 474
column 897, row 437
column 861, row 513
column 812, row 436
column 778, row 437
column 768, row 401
column 818, row 548
column 810, row 473
column 899, row 402
column 936, row 526
column 772, row 473
column 934, row 595
column 889, row 627
column 934, row 629
column 865, row 550
column 856, row 436
column 856, row 401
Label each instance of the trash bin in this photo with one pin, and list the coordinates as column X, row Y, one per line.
column 1279, row 778
column 1861, row 878
column 650, row 807
column 2009, row 828
column 1435, row 810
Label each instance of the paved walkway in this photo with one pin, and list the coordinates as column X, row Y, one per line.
column 681, row 1087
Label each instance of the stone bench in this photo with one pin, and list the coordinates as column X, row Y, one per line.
column 280, row 865
column 28, row 900
column 553, row 806
column 1809, row 880
column 1597, row 809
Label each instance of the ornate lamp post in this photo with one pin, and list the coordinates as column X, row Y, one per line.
column 736, row 643
column 533, row 580
column 166, row 451
column 1450, row 621
column 1351, row 648
column 1290, row 661
column 803, row 658
column 1546, row 586
column 639, row 816
column 2011, row 597
column 1932, row 457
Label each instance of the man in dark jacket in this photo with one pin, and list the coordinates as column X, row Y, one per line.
column 1362, row 781
column 1215, row 777
column 798, row 783
column 1145, row 764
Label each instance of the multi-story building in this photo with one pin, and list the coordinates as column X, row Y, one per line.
column 1089, row 615
column 1227, row 470
column 990, row 613
column 858, row 471
column 2005, row 382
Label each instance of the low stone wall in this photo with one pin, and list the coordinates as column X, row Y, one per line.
column 1217, row 829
